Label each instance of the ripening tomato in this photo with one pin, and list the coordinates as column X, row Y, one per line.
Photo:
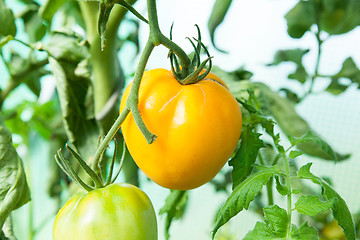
column 197, row 127
column 117, row 211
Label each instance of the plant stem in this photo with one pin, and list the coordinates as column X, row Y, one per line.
column 158, row 38
column 109, row 136
column 288, row 184
column 316, row 71
column 107, row 73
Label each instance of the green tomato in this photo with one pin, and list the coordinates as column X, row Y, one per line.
column 118, row 211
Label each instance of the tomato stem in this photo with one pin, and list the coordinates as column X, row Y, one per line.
column 158, row 38
column 288, row 185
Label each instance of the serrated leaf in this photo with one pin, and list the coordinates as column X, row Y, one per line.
column 275, row 226
column 304, row 232
column 312, row 205
column 269, row 125
column 7, row 20
column 300, row 18
column 246, row 155
column 174, row 208
column 261, row 231
column 14, row 190
column 340, row 209
column 243, row 195
column 295, row 153
column 276, row 218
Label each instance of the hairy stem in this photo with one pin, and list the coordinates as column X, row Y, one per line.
column 107, row 73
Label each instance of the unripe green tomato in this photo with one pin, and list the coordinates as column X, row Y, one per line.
column 115, row 212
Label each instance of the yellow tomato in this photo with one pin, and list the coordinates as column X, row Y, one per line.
column 197, row 127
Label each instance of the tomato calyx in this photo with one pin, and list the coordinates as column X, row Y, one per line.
column 195, row 72
column 95, row 176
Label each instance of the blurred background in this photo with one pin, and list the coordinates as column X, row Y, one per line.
column 252, row 32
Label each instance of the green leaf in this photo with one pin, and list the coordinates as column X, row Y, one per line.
column 67, row 46
column 14, row 190
column 243, row 195
column 246, row 155
column 289, row 55
column 294, row 125
column 45, row 119
column 312, row 205
column 261, row 231
column 7, row 20
column 217, row 16
column 349, row 71
column 300, row 18
column 17, row 64
column 339, row 16
column 242, row 74
column 335, row 87
column 304, row 232
column 294, row 154
column 276, row 218
column 34, row 25
column 339, row 208
column 76, row 100
column 275, row 226
column 49, row 8
column 300, row 74
column 174, row 208
column 292, row 96
column 312, row 137
column 281, row 188
column 295, row 56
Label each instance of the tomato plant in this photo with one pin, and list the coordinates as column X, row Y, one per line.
column 197, row 127
column 245, row 133
column 117, row 211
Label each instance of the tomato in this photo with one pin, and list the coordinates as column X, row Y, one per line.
column 117, row 211
column 197, row 127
